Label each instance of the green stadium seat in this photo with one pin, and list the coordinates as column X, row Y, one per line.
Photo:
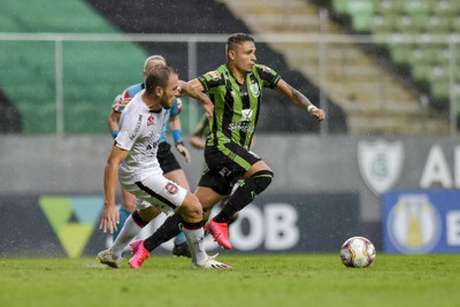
column 401, row 53
column 417, row 7
column 381, row 25
column 94, row 72
column 389, row 7
column 429, row 62
column 443, row 57
column 420, row 23
column 440, row 89
column 438, row 25
column 38, row 118
column 85, row 117
column 362, row 12
column 340, row 6
column 421, row 72
column 405, row 24
column 444, row 8
column 455, row 24
column 418, row 57
column 439, row 74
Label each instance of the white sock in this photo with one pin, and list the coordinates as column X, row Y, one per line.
column 128, row 232
column 195, row 238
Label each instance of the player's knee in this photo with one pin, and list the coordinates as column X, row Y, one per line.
column 149, row 213
column 262, row 180
column 191, row 208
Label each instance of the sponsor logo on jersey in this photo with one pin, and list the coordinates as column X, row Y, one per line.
column 380, row 163
column 150, row 120
column 254, row 87
column 171, row 188
column 241, row 126
column 138, row 127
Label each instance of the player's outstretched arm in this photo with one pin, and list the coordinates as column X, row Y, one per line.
column 300, row 100
column 110, row 217
column 195, row 89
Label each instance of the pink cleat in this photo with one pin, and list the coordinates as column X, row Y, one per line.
column 220, row 233
column 139, row 256
column 134, row 246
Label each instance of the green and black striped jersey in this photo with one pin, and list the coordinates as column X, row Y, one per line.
column 236, row 107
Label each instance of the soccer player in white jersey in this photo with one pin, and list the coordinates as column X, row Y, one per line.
column 133, row 158
column 131, row 220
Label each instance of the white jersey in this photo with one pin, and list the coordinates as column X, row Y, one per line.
column 140, row 131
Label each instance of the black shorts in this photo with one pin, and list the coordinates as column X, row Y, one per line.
column 168, row 162
column 225, row 165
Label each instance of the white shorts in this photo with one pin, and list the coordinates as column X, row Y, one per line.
column 157, row 191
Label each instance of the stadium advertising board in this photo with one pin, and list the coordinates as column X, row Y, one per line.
column 421, row 221
column 67, row 225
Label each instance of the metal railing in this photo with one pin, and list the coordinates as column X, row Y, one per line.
column 322, row 41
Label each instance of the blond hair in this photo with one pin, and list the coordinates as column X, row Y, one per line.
column 151, row 58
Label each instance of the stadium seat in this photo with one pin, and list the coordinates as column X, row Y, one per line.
column 340, row 6
column 362, row 12
column 421, row 72
column 429, row 63
column 94, row 72
column 438, row 25
column 389, row 7
column 417, row 7
column 440, row 89
column 420, row 23
column 401, row 53
column 445, row 8
column 381, row 25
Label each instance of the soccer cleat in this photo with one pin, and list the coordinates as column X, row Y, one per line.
column 106, row 257
column 220, row 233
column 213, row 264
column 134, row 246
column 139, row 256
column 181, row 249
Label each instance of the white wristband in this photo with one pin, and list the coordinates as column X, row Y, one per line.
column 311, row 108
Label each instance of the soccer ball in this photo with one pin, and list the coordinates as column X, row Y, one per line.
column 357, row 252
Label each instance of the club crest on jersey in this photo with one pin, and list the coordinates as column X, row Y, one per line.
column 171, row 188
column 380, row 163
column 246, row 115
column 150, row 120
column 255, row 89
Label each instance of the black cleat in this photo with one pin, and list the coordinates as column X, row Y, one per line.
column 181, row 250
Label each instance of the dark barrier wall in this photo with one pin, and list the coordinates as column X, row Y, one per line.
column 66, row 225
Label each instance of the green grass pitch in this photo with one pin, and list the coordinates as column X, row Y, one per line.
column 263, row 280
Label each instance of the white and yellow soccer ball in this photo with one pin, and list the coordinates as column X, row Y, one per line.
column 357, row 252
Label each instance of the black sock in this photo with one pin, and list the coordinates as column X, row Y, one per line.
column 165, row 232
column 244, row 194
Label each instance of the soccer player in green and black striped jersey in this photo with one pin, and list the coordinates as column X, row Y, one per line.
column 231, row 95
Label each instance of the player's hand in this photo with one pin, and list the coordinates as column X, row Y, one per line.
column 209, row 109
column 198, row 142
column 183, row 151
column 109, row 219
column 319, row 114
column 180, row 89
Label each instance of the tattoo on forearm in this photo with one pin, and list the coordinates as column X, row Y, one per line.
column 301, row 100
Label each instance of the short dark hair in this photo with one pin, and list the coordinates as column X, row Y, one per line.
column 158, row 75
column 237, row 39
